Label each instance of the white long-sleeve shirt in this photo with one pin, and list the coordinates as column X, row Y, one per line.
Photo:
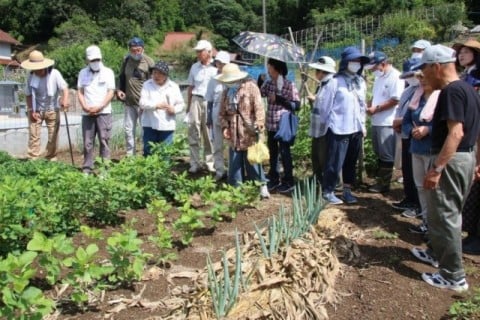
column 153, row 94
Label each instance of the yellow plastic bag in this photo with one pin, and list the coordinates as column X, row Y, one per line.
column 258, row 153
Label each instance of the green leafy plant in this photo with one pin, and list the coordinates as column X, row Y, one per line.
column 126, row 256
column 19, row 300
column 223, row 287
column 188, row 222
column 163, row 239
column 468, row 308
column 85, row 275
column 382, row 234
column 51, row 252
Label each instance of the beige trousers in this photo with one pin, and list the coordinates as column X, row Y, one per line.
column 198, row 131
column 52, row 121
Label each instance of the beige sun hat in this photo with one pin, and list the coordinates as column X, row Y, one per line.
column 470, row 43
column 231, row 73
column 325, row 63
column 36, row 61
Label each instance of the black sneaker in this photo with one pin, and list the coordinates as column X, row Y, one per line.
column 285, row 188
column 420, row 229
column 272, row 185
column 403, row 205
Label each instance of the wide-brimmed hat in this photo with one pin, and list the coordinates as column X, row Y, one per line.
column 470, row 43
column 231, row 73
column 36, row 61
column 161, row 66
column 353, row 53
column 324, row 63
column 203, row 45
column 409, row 68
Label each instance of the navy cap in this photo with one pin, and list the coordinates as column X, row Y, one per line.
column 161, row 66
column 376, row 57
column 409, row 67
column 136, row 42
column 352, row 53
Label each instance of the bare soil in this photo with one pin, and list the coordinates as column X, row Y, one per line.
column 380, row 280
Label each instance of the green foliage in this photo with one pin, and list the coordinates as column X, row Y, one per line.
column 163, row 239
column 126, row 256
column 301, row 150
column 85, row 274
column 19, row 300
column 189, row 221
column 466, row 309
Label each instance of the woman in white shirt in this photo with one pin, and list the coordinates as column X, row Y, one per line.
column 160, row 101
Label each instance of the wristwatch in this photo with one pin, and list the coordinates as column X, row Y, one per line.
column 438, row 169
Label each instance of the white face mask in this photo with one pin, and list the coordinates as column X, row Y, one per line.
column 353, row 66
column 378, row 73
column 417, row 55
column 232, row 85
column 95, row 66
column 412, row 81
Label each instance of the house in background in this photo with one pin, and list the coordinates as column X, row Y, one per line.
column 6, row 43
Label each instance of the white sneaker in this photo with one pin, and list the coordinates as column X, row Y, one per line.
column 210, row 167
column 264, row 194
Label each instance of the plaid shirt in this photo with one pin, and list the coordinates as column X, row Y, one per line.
column 274, row 111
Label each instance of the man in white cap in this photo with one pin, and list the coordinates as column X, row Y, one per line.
column 200, row 74
column 214, row 93
column 455, row 131
column 325, row 69
column 43, row 87
column 96, row 87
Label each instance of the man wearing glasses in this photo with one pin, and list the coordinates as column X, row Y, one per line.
column 455, row 130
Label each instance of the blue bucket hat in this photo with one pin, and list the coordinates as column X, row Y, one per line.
column 349, row 54
column 136, row 42
column 409, row 67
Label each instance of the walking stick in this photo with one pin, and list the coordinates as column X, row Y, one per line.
column 68, row 135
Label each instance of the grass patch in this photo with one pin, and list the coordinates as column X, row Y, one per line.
column 466, row 309
column 379, row 234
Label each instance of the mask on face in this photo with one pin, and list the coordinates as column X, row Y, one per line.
column 378, row 73
column 136, row 57
column 412, row 81
column 233, row 85
column 95, row 66
column 417, row 55
column 353, row 67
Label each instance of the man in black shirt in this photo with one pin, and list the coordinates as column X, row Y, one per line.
column 455, row 130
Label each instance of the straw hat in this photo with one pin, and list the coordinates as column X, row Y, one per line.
column 470, row 43
column 36, row 61
column 231, row 73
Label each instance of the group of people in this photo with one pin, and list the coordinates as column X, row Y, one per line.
column 428, row 116
column 432, row 109
column 149, row 97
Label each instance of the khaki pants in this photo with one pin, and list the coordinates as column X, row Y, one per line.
column 52, row 121
column 197, row 130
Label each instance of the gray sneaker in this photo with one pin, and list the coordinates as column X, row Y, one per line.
column 422, row 255
column 412, row 213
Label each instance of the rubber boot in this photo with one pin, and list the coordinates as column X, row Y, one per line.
column 383, row 180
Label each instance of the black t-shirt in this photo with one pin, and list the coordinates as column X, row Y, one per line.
column 458, row 101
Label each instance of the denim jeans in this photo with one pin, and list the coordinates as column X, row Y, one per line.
column 274, row 147
column 155, row 136
column 240, row 170
column 342, row 155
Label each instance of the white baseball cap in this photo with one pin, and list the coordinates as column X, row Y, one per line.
column 421, row 44
column 324, row 63
column 223, row 57
column 203, row 45
column 437, row 54
column 93, row 53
